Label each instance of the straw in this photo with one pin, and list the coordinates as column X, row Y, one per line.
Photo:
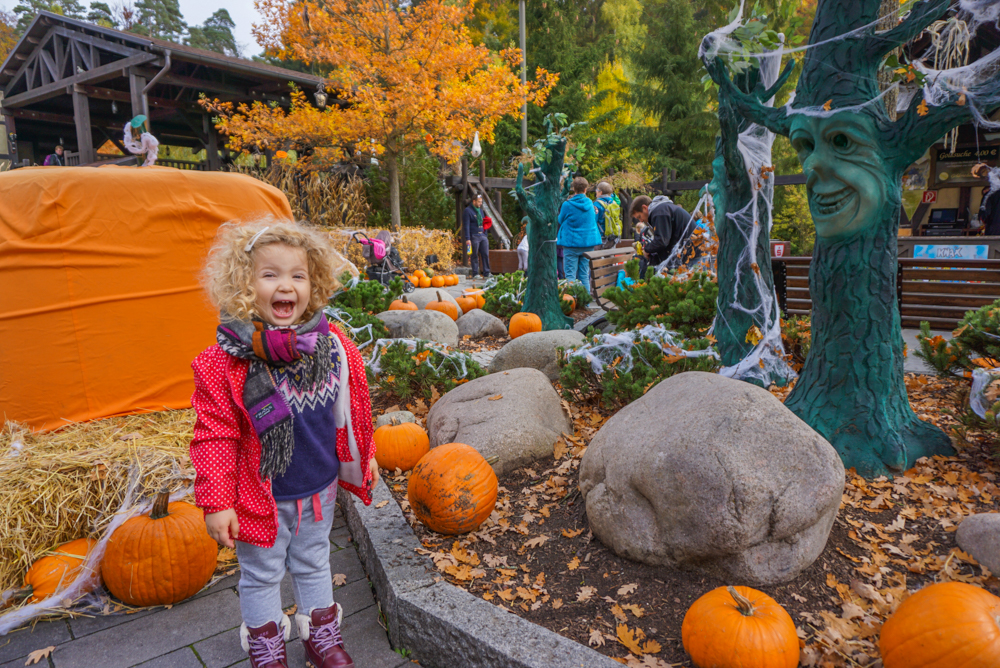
column 68, row 484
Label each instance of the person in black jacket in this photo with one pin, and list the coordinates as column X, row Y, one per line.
column 472, row 223
column 669, row 222
column 989, row 210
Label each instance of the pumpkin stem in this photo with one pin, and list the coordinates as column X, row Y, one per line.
column 394, row 420
column 404, row 300
column 19, row 595
column 160, row 506
column 439, row 296
column 743, row 604
column 493, row 460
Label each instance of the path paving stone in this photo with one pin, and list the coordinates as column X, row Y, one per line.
column 182, row 658
column 24, row 641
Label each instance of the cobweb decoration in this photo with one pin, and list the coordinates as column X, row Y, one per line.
column 455, row 363
column 620, row 350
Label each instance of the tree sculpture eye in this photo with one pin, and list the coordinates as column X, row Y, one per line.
column 840, row 140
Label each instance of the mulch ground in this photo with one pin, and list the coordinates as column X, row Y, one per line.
column 536, row 556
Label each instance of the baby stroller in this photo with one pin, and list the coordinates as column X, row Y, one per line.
column 384, row 262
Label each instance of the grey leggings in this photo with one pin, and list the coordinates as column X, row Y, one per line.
column 305, row 554
column 522, row 259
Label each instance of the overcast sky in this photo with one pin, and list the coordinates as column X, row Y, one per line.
column 196, row 11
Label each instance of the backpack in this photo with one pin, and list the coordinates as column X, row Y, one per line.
column 612, row 215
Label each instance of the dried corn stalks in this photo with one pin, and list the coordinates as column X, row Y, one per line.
column 414, row 244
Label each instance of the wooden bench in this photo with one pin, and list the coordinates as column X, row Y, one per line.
column 939, row 292
column 604, row 268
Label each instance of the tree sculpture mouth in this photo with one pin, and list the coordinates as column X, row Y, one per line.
column 830, row 204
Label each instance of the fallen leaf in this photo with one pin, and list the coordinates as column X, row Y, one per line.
column 381, row 504
column 574, row 564
column 506, row 595
column 619, row 614
column 585, row 594
column 828, row 105
column 571, row 534
column 922, row 109
column 625, row 590
column 499, row 396
column 596, row 639
column 488, row 596
column 535, row 542
column 556, row 603
column 636, row 610
column 39, row 654
column 630, row 639
column 339, row 580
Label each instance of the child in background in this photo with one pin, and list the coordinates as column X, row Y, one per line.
column 283, row 416
column 522, row 247
column 608, row 208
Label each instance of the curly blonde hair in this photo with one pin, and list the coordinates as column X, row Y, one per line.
column 229, row 270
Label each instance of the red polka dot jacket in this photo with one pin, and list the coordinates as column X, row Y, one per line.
column 225, row 449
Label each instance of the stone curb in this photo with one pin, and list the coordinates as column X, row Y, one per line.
column 445, row 626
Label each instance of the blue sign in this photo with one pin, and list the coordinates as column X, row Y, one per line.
column 951, row 252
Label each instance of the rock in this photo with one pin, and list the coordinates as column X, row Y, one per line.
column 427, row 325
column 979, row 535
column 711, row 473
column 536, row 350
column 401, row 416
column 477, row 323
column 515, row 415
column 424, row 296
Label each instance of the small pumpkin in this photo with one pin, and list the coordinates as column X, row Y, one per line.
column 400, row 445
column 466, row 303
column 732, row 627
column 414, row 279
column 425, row 282
column 58, row 570
column 524, row 323
column 450, row 280
column 402, row 304
column 446, row 307
column 419, row 273
column 160, row 558
column 568, row 303
column 941, row 626
column 437, row 282
column 452, row 489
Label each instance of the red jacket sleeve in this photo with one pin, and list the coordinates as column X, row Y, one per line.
column 361, row 409
column 216, row 434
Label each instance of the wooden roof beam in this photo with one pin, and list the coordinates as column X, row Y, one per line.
column 57, row 88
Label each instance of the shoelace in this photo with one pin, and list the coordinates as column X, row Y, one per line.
column 326, row 636
column 267, row 650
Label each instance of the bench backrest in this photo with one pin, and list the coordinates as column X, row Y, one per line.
column 604, row 268
column 937, row 291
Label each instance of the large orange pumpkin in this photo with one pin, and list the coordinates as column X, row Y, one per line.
column 419, row 273
column 523, row 323
column 402, row 304
column 437, row 282
column 452, row 279
column 414, row 279
column 944, row 625
column 446, row 307
column 478, row 296
column 425, row 282
column 400, row 445
column 160, row 558
column 452, row 489
column 466, row 303
column 739, row 627
column 58, row 570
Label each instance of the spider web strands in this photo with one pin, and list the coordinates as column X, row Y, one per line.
column 620, row 350
column 457, row 361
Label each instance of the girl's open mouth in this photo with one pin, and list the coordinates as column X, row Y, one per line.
column 283, row 309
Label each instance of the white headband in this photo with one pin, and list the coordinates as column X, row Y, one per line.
column 249, row 246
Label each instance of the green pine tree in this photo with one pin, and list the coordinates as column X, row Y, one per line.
column 216, row 34
column 102, row 14
column 27, row 9
column 161, row 19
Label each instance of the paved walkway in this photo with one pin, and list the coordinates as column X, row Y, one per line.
column 203, row 632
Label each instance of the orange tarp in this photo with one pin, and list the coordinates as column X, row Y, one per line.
column 101, row 308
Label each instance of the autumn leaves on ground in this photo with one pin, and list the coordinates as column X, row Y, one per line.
column 536, row 556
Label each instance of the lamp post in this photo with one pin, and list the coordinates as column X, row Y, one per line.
column 524, row 73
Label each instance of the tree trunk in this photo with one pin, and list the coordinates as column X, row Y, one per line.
column 541, row 203
column 397, row 221
column 851, row 389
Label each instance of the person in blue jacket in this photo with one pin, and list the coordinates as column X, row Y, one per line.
column 578, row 232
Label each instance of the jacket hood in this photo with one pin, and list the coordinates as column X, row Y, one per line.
column 659, row 201
column 581, row 202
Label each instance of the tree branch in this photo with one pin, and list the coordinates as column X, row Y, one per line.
column 922, row 15
column 780, row 83
column 774, row 119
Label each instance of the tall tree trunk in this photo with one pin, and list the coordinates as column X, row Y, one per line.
column 541, row 203
column 393, row 165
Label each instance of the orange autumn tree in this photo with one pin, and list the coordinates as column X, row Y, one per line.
column 8, row 35
column 409, row 74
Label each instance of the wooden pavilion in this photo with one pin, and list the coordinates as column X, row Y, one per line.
column 77, row 84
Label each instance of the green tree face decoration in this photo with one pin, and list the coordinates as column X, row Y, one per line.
column 844, row 171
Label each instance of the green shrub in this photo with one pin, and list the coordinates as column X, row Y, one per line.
column 355, row 322
column 369, row 296
column 975, row 343
column 796, row 334
column 577, row 291
column 403, row 373
column 505, row 298
column 684, row 306
column 618, row 385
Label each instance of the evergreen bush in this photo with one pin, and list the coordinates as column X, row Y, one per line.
column 685, row 306
column 404, row 372
column 505, row 298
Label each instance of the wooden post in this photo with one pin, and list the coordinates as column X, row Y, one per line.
column 212, row 148
column 135, row 84
column 84, row 137
column 11, row 136
column 666, row 180
column 482, row 174
column 462, row 198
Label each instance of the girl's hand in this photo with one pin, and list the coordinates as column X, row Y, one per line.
column 223, row 527
column 373, row 465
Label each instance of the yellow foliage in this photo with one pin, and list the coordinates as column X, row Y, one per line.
column 413, row 243
column 8, row 35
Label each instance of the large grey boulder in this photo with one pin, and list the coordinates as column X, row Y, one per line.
column 477, row 324
column 712, row 473
column 424, row 296
column 979, row 535
column 515, row 415
column 536, row 350
column 427, row 325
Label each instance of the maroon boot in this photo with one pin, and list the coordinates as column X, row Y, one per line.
column 266, row 644
column 320, row 633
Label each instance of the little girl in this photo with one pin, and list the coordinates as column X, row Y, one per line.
column 284, row 415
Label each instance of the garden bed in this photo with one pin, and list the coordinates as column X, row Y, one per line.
column 537, row 557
